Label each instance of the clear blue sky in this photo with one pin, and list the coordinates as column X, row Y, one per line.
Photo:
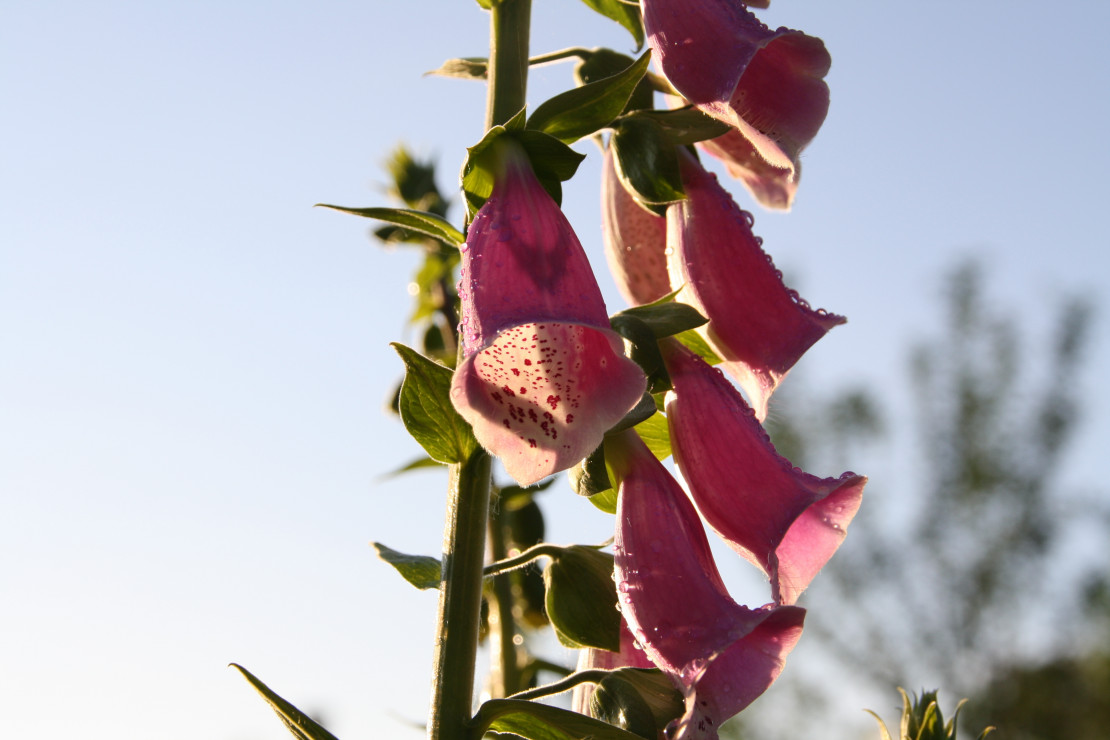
column 195, row 360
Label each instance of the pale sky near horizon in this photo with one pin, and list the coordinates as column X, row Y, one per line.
column 195, row 360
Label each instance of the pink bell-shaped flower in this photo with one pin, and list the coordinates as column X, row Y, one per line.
column 757, row 325
column 720, row 654
column 635, row 240
column 542, row 376
column 785, row 521
column 768, row 85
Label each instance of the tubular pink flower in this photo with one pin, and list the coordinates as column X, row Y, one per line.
column 542, row 376
column 785, row 521
column 720, row 654
column 635, row 241
column 768, row 85
column 756, row 324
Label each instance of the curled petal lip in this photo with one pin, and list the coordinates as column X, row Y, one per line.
column 542, row 395
column 785, row 521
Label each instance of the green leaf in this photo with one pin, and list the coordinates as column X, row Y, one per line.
column 421, row 222
column 605, row 500
column 536, row 721
column 626, row 14
column 580, row 112
column 582, row 599
column 553, row 162
column 426, row 409
column 665, row 319
column 647, row 163
column 420, row 463
column 486, row 4
column 656, row 435
column 696, row 343
column 422, row 571
column 684, row 126
column 467, row 68
column 638, row 700
column 296, row 721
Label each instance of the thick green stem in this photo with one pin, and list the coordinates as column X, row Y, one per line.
column 460, row 595
column 510, row 21
column 460, row 598
column 505, row 653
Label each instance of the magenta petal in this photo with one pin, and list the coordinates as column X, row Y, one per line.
column 785, row 521
column 673, row 600
column 772, row 187
column 542, row 376
column 542, row 396
column 767, row 84
column 635, row 241
column 756, row 324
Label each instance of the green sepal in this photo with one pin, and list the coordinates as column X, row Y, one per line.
column 640, row 700
column 656, row 435
column 485, row 4
column 666, row 316
column 466, row 68
column 422, row 222
column 553, row 162
column 582, row 599
column 605, row 500
column 644, row 350
column 576, row 113
column 425, row 407
column 422, row 571
column 601, row 63
column 420, row 463
column 535, row 721
column 683, row 126
column 696, row 343
column 624, row 13
column 588, row 477
column 297, row 722
column 647, row 163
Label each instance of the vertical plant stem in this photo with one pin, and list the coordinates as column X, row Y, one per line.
column 460, row 598
column 468, row 498
column 510, row 21
column 505, row 663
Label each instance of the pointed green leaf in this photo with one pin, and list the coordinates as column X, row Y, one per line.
column 422, row 571
column 656, row 435
column 420, row 463
column 647, row 164
column 884, row 733
column 582, row 599
column 421, row 222
column 668, row 318
column 553, row 162
column 605, row 500
column 467, row 68
column 297, row 722
column 643, row 701
column 624, row 13
column 696, row 343
column 426, row 409
column 536, row 721
column 684, row 126
column 580, row 112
